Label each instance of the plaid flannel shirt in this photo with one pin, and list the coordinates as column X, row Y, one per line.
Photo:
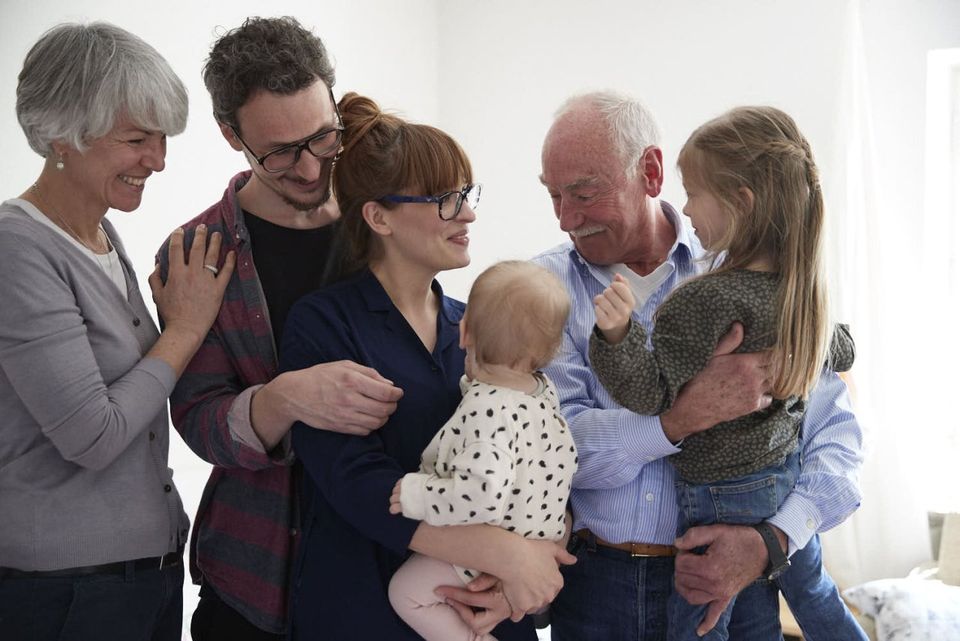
column 246, row 526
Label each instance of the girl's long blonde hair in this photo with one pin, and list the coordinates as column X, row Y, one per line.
column 761, row 149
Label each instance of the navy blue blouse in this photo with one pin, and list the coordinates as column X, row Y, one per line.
column 351, row 545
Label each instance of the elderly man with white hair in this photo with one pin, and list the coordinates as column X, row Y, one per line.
column 603, row 168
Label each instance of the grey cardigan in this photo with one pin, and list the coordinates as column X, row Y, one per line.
column 83, row 421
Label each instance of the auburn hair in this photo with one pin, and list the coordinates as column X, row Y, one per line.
column 384, row 154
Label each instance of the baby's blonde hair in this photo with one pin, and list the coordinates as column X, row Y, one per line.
column 762, row 149
column 516, row 313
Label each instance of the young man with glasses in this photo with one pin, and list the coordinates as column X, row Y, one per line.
column 270, row 81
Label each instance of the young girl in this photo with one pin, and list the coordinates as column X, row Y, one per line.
column 754, row 199
column 505, row 457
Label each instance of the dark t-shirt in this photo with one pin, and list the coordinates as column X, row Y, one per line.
column 290, row 263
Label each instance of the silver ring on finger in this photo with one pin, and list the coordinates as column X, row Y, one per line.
column 212, row 269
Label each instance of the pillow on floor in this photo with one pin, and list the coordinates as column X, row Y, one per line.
column 909, row 609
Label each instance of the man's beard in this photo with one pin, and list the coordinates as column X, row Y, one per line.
column 314, row 203
column 302, row 205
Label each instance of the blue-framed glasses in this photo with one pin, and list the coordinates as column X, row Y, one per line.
column 322, row 144
column 448, row 204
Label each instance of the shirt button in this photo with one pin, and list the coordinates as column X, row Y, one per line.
column 649, row 497
column 649, row 458
column 810, row 524
column 153, row 436
column 167, row 488
column 136, row 322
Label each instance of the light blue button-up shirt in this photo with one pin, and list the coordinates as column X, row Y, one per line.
column 624, row 488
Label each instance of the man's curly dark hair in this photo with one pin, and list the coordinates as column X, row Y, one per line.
column 275, row 54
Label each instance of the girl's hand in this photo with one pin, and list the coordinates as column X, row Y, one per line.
column 613, row 308
column 395, row 507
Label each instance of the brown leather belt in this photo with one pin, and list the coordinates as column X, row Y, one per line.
column 634, row 549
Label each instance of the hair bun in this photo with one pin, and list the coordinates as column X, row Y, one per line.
column 359, row 114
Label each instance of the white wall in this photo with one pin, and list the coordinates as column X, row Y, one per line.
column 392, row 56
column 506, row 66
column 492, row 73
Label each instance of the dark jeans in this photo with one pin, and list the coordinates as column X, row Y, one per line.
column 610, row 596
column 145, row 605
column 214, row 620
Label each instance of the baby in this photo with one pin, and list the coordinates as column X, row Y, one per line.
column 506, row 457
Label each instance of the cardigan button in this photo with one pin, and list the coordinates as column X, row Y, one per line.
column 167, row 488
column 153, row 436
column 136, row 322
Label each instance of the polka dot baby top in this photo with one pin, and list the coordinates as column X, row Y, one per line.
column 504, row 458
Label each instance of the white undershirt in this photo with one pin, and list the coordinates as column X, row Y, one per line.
column 109, row 262
column 643, row 286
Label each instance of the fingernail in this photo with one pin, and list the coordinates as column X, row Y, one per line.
column 201, row 227
column 178, row 230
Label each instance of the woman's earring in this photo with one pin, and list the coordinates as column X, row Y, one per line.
column 59, row 164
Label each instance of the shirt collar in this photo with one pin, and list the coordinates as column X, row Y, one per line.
column 686, row 248
column 377, row 300
column 233, row 214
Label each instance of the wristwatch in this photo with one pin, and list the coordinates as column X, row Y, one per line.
column 778, row 560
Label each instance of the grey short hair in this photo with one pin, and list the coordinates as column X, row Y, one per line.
column 77, row 80
column 632, row 126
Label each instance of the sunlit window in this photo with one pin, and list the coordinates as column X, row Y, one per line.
column 941, row 247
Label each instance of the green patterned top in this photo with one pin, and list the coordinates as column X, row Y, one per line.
column 688, row 326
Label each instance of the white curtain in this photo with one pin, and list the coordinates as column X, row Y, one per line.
column 894, row 278
column 940, row 241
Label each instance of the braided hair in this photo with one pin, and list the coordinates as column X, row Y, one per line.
column 761, row 149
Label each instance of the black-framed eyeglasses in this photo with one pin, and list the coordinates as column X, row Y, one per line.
column 448, row 204
column 320, row 145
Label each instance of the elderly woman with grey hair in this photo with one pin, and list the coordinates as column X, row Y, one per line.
column 92, row 528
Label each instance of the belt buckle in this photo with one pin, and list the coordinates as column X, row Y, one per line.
column 636, row 554
column 162, row 557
